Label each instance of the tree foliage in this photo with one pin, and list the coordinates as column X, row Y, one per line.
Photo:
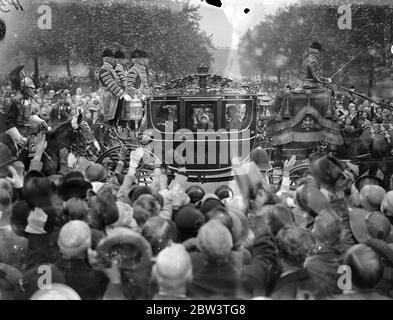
column 168, row 30
column 281, row 40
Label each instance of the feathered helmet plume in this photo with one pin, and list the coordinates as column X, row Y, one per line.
column 18, row 79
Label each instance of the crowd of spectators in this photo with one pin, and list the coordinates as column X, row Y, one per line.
column 357, row 114
column 92, row 235
column 100, row 236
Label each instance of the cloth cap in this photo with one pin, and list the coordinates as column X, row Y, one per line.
column 74, row 238
column 173, row 263
column 371, row 196
column 215, row 240
column 261, row 159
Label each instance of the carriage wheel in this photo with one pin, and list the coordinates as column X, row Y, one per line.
column 144, row 172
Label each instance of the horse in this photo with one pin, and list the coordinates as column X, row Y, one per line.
column 74, row 135
column 77, row 138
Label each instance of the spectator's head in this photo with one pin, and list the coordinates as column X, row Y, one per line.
column 261, row 159
column 74, row 239
column 221, row 214
column 352, row 108
column 327, row 228
column 133, row 253
column 126, row 216
column 387, row 206
column 224, row 193
column 145, row 206
column 196, row 193
column 137, row 191
column 311, row 199
column 367, row 180
column 209, row 202
column 277, row 216
column 74, row 186
column 29, row 284
column 188, row 220
column 366, row 225
column 173, row 269
column 329, row 173
column 103, row 208
column 96, row 173
column 76, row 209
column 215, row 241
column 57, row 291
column 294, row 245
column 366, row 267
column 371, row 197
column 159, row 233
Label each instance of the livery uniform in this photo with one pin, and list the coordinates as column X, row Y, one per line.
column 311, row 75
column 112, row 92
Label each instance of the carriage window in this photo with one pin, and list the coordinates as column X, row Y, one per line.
column 202, row 116
column 165, row 116
column 236, row 116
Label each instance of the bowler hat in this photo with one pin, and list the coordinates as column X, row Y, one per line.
column 316, row 45
column 107, row 53
column 119, row 54
column 74, row 185
column 137, row 54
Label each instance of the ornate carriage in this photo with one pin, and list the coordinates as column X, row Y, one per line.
column 302, row 120
column 201, row 120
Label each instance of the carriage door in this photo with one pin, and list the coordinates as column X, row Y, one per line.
column 239, row 123
column 200, row 140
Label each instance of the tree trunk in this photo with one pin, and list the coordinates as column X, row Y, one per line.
column 92, row 78
column 36, row 70
column 68, row 67
column 370, row 81
column 278, row 76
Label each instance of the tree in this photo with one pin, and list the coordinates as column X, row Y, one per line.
column 289, row 32
column 168, row 30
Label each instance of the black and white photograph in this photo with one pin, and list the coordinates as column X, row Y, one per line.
column 217, row 153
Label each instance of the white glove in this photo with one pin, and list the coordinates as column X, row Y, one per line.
column 97, row 145
column 127, row 98
column 136, row 157
column 36, row 222
column 329, row 80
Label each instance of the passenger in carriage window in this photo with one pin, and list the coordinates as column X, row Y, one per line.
column 235, row 116
column 167, row 118
column 203, row 119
